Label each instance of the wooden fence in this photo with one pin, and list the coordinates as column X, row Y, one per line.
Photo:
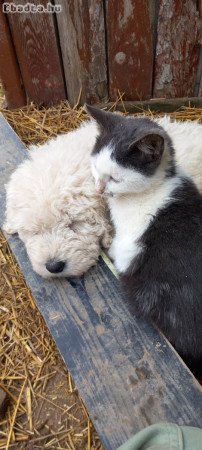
column 99, row 48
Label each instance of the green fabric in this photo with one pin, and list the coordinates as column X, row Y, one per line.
column 165, row 436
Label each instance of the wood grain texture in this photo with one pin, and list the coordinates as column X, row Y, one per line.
column 127, row 374
column 200, row 88
column 166, row 105
column 82, row 40
column 9, row 70
column 37, row 51
column 154, row 11
column 4, row 402
column 130, row 48
column 178, row 48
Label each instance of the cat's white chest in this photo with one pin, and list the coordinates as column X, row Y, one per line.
column 130, row 219
column 123, row 251
column 132, row 215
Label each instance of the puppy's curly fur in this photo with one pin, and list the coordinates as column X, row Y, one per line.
column 53, row 206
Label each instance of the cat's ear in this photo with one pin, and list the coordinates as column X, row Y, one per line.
column 104, row 119
column 150, row 145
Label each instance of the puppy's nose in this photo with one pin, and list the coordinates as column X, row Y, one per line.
column 54, row 266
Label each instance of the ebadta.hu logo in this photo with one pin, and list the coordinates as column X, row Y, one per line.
column 31, row 7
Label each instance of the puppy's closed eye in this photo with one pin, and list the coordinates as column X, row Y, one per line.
column 75, row 226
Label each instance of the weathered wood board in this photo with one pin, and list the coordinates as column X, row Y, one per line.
column 127, row 374
column 34, row 37
column 178, row 48
column 82, row 41
column 9, row 71
column 130, row 48
column 165, row 105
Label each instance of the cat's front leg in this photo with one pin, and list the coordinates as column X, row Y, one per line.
column 123, row 251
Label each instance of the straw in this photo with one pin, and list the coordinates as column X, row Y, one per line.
column 34, row 124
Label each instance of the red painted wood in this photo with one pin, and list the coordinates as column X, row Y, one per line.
column 38, row 55
column 178, row 48
column 9, row 71
column 82, row 40
column 130, row 48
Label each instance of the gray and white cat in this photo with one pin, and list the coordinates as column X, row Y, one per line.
column 157, row 215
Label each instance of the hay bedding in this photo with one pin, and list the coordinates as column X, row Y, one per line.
column 45, row 411
column 35, row 125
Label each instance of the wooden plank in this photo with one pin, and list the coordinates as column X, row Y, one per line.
column 82, row 40
column 130, row 48
column 154, row 12
column 161, row 105
column 200, row 8
column 4, row 402
column 200, row 88
column 178, row 48
column 199, row 74
column 37, row 51
column 127, row 374
column 9, row 71
column 197, row 87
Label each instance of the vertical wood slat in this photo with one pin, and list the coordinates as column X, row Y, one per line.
column 38, row 55
column 200, row 59
column 9, row 70
column 82, row 40
column 130, row 48
column 200, row 88
column 178, row 49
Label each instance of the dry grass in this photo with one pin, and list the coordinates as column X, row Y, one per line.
column 45, row 410
column 35, row 125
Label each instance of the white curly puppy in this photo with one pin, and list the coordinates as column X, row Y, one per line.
column 53, row 206
column 187, row 141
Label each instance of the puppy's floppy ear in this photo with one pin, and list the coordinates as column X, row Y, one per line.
column 150, row 145
column 105, row 120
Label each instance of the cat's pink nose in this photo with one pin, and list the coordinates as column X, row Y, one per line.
column 100, row 186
